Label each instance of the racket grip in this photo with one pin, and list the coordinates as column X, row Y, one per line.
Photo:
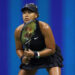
column 26, row 49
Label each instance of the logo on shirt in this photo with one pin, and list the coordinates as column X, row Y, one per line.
column 36, row 38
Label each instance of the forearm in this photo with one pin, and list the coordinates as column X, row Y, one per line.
column 20, row 53
column 46, row 52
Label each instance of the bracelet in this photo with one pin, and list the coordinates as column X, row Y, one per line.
column 36, row 54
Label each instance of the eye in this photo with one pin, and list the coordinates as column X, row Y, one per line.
column 30, row 11
column 24, row 12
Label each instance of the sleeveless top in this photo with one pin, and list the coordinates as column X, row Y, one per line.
column 37, row 42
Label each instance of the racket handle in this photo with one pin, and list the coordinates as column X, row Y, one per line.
column 27, row 60
column 26, row 49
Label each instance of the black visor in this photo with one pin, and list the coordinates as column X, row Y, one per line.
column 31, row 7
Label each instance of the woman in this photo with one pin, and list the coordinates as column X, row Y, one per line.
column 42, row 51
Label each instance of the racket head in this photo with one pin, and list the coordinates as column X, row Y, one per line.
column 28, row 31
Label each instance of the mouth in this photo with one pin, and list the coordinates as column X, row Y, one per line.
column 26, row 19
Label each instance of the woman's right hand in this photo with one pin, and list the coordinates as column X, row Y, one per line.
column 25, row 60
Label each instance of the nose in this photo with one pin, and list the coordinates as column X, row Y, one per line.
column 26, row 14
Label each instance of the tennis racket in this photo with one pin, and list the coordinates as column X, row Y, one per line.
column 27, row 32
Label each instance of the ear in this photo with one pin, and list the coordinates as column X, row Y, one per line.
column 36, row 15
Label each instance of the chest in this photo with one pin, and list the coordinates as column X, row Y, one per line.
column 37, row 41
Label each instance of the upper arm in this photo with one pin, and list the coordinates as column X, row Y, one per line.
column 17, row 40
column 48, row 36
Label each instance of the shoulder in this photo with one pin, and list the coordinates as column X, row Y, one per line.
column 44, row 25
column 45, row 28
column 19, row 27
column 18, row 30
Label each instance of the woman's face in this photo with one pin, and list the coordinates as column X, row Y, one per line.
column 29, row 15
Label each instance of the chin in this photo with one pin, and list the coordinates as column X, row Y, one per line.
column 27, row 21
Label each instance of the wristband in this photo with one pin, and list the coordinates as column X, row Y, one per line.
column 22, row 58
column 36, row 55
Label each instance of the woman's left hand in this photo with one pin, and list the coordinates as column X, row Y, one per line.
column 29, row 53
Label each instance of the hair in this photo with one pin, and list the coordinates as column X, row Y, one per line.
column 33, row 11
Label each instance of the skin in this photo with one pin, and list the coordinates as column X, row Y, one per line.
column 49, row 41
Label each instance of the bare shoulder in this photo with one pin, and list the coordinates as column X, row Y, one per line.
column 18, row 30
column 44, row 27
column 19, row 27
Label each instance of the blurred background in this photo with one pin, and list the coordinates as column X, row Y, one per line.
column 59, row 14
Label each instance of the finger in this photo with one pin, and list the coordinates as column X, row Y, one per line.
column 25, row 51
column 29, row 58
column 29, row 50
